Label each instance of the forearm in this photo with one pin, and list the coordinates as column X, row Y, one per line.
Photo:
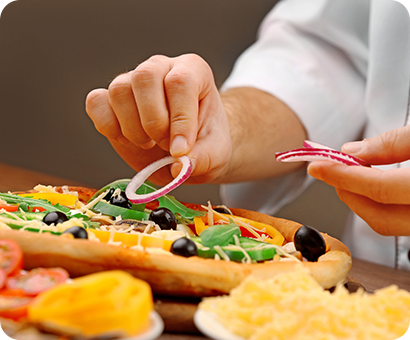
column 261, row 125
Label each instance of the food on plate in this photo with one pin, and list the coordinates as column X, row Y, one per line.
column 294, row 306
column 45, row 301
column 111, row 303
column 18, row 287
column 179, row 248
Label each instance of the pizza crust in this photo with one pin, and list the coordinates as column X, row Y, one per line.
column 175, row 275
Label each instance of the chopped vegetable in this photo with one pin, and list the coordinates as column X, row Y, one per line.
column 310, row 243
column 165, row 201
column 9, row 207
column 111, row 301
column 77, row 232
column 53, row 198
column 14, row 307
column 11, row 257
column 245, row 250
column 55, row 217
column 27, row 202
column 184, row 247
column 36, row 280
column 219, row 235
column 131, row 240
column 313, row 151
column 258, row 229
column 143, row 175
column 164, row 218
column 113, row 210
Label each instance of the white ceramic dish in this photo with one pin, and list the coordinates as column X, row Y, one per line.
column 156, row 329
column 208, row 324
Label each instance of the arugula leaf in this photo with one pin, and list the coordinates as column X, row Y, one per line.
column 220, row 235
column 27, row 202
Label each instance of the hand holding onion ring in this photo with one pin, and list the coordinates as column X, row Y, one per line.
column 380, row 197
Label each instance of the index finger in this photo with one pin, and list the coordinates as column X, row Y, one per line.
column 186, row 85
column 388, row 187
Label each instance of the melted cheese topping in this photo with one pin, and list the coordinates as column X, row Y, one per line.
column 294, row 306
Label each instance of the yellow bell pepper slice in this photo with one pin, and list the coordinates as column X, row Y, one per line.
column 105, row 302
column 130, row 240
column 199, row 224
column 53, row 198
column 275, row 236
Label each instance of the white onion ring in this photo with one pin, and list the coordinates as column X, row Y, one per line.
column 313, row 151
column 141, row 176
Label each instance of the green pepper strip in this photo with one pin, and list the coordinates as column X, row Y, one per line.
column 257, row 251
column 113, row 210
column 166, row 201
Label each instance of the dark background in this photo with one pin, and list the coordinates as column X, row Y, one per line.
column 52, row 53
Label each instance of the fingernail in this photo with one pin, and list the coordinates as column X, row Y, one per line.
column 179, row 146
column 352, row 147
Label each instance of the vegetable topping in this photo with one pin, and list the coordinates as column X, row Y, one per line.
column 310, row 243
column 111, row 301
column 141, row 176
column 313, row 151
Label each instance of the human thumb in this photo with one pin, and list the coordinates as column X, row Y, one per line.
column 389, row 147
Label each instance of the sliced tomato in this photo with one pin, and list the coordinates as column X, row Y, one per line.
column 36, row 209
column 9, row 207
column 36, row 280
column 11, row 257
column 2, row 278
column 14, row 307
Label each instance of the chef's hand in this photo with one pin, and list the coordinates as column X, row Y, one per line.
column 381, row 198
column 165, row 106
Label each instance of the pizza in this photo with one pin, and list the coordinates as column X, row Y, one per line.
column 186, row 250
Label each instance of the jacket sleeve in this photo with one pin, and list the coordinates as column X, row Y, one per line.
column 312, row 55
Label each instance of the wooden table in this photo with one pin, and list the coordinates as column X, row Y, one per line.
column 371, row 276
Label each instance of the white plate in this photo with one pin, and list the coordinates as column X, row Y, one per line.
column 209, row 325
column 156, row 329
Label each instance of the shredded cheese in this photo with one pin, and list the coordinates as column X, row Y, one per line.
column 293, row 306
column 45, row 188
column 221, row 253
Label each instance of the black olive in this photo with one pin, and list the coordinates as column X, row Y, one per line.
column 184, row 247
column 310, row 243
column 164, row 218
column 121, row 200
column 55, row 217
column 222, row 210
column 109, row 194
column 77, row 232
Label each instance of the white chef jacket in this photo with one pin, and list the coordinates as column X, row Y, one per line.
column 343, row 66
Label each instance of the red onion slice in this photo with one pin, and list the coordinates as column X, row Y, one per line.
column 314, row 145
column 313, row 151
column 141, row 177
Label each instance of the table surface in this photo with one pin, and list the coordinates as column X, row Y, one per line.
column 372, row 276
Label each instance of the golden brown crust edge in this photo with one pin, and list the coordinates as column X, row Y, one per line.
column 175, row 275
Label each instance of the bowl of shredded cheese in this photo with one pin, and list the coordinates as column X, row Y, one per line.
column 294, row 306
